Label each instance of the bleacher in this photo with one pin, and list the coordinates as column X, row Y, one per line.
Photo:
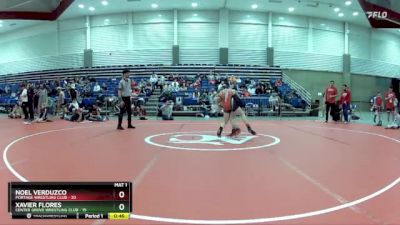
column 111, row 75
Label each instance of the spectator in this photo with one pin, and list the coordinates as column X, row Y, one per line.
column 31, row 100
column 204, row 99
column 166, row 110
column 175, row 86
column 330, row 98
column 183, row 87
column 104, row 87
column 16, row 112
column 7, row 89
column 278, row 83
column 138, row 103
column 377, row 107
column 396, row 122
column 73, row 93
column 390, row 98
column 76, row 112
column 61, row 102
column 221, row 86
column 134, row 84
column 345, row 100
column 274, row 101
column 24, row 101
column 260, row 90
column 43, row 103
column 95, row 115
column 96, row 88
column 245, row 92
column 252, row 90
column 153, row 80
column 161, row 82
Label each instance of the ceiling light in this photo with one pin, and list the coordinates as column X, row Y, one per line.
column 254, row 6
column 248, row 16
column 341, row 14
column 355, row 13
column 195, row 14
column 1, row 25
column 154, row 6
column 159, row 15
column 107, row 20
column 336, row 9
column 322, row 24
column 195, row 4
column 291, row 9
column 91, row 8
column 81, row 6
column 104, row 2
column 1, row 21
column 281, row 18
column 348, row 3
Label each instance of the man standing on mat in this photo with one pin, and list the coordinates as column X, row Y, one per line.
column 124, row 96
column 345, row 100
column 390, row 98
column 330, row 98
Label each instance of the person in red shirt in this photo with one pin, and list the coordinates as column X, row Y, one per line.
column 330, row 98
column 345, row 99
column 390, row 98
column 377, row 107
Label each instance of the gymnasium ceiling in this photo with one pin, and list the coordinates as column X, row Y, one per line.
column 313, row 8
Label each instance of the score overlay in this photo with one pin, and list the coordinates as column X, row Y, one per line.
column 70, row 200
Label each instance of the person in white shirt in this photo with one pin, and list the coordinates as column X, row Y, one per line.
column 252, row 90
column 153, row 80
column 96, row 88
column 221, row 86
column 175, row 86
column 24, row 101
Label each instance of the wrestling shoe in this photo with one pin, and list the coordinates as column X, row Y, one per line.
column 251, row 131
column 219, row 132
column 235, row 132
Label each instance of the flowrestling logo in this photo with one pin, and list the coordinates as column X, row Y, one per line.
column 377, row 14
column 208, row 141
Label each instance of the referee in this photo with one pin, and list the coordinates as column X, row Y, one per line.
column 124, row 95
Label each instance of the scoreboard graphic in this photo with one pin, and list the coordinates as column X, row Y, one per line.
column 72, row 200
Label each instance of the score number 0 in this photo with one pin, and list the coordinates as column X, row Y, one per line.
column 121, row 206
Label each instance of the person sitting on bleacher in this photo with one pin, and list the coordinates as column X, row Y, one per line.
column 104, row 87
column 96, row 88
column 166, row 110
column 278, row 83
column 221, row 86
column 175, row 86
column 274, row 101
column 245, row 92
column 183, row 87
column 252, row 90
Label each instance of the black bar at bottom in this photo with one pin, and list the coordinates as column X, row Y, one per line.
column 61, row 216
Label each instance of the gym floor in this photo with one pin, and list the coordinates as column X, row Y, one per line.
column 295, row 171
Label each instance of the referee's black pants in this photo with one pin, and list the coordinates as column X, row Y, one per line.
column 126, row 108
column 329, row 108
